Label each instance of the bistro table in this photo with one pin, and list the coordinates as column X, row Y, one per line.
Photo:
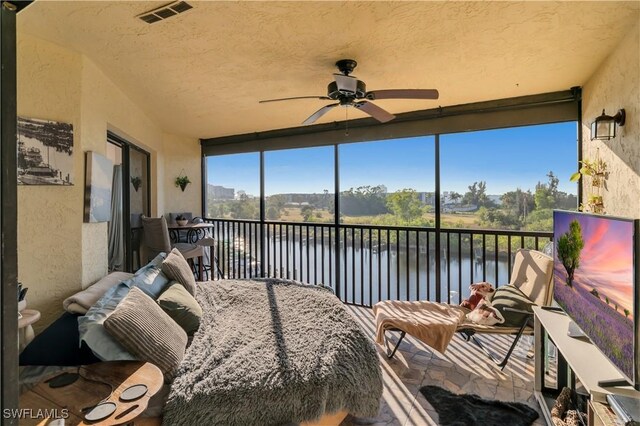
column 194, row 231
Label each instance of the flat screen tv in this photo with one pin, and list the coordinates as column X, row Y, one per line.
column 595, row 283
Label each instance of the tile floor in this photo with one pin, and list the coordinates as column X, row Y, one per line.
column 465, row 368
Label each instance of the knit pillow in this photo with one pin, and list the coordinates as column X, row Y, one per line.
column 142, row 327
column 176, row 302
column 509, row 296
column 176, row 268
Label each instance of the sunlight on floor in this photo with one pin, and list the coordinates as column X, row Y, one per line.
column 465, row 368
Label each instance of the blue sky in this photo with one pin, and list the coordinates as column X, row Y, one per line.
column 505, row 158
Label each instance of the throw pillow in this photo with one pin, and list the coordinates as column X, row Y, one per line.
column 146, row 331
column 509, row 296
column 91, row 326
column 150, row 278
column 176, row 268
column 485, row 314
column 180, row 305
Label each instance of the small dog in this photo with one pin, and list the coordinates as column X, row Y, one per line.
column 478, row 292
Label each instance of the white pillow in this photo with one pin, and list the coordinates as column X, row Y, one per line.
column 485, row 314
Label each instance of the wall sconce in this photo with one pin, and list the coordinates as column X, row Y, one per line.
column 604, row 127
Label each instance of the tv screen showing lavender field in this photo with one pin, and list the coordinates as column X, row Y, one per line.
column 593, row 281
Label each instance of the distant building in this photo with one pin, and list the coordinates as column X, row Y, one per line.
column 427, row 198
column 218, row 192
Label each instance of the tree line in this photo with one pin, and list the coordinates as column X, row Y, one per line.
column 518, row 208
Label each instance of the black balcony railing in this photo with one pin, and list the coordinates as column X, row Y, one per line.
column 368, row 263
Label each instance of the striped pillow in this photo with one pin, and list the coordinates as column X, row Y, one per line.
column 176, row 268
column 142, row 327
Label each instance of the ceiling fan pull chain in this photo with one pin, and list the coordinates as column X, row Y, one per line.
column 346, row 122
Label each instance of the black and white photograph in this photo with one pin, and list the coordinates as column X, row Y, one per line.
column 45, row 152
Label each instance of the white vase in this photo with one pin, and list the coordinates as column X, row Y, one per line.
column 22, row 304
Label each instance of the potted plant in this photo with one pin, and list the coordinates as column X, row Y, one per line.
column 181, row 220
column 596, row 204
column 136, row 182
column 597, row 169
column 182, row 182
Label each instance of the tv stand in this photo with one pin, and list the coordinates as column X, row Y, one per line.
column 578, row 361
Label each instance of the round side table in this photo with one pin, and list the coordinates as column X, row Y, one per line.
column 25, row 330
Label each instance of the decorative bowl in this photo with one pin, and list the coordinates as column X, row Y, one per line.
column 182, row 222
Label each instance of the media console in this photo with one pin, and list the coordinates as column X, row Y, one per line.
column 578, row 361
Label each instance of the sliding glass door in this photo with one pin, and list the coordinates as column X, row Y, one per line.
column 130, row 200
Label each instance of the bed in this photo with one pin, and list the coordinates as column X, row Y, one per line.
column 267, row 352
column 273, row 352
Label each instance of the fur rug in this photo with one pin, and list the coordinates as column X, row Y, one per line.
column 273, row 352
column 468, row 410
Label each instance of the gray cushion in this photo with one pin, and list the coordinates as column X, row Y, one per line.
column 176, row 268
column 509, row 296
column 142, row 327
column 181, row 307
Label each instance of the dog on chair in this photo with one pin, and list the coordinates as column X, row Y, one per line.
column 478, row 292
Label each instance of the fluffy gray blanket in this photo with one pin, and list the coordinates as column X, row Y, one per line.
column 273, row 352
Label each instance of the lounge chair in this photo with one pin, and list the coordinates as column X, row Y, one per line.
column 532, row 275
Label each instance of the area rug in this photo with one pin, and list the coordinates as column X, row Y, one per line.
column 467, row 410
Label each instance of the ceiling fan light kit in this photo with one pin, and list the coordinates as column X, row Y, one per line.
column 348, row 91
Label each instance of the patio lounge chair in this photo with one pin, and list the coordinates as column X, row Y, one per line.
column 532, row 275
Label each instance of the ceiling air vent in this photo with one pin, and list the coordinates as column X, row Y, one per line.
column 164, row 12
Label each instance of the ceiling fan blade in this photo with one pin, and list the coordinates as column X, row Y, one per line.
column 375, row 111
column 403, row 94
column 295, row 97
column 319, row 113
column 346, row 83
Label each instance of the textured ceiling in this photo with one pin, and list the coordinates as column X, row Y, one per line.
column 202, row 73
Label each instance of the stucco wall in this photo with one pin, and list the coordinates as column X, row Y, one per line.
column 179, row 155
column 50, row 218
column 615, row 85
column 58, row 254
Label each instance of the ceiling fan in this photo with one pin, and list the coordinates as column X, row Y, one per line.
column 348, row 91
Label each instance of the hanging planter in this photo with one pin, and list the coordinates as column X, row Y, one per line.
column 182, row 181
column 136, row 182
column 596, row 170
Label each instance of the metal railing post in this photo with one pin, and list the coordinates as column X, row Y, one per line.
column 263, row 241
column 438, row 225
column 336, row 215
